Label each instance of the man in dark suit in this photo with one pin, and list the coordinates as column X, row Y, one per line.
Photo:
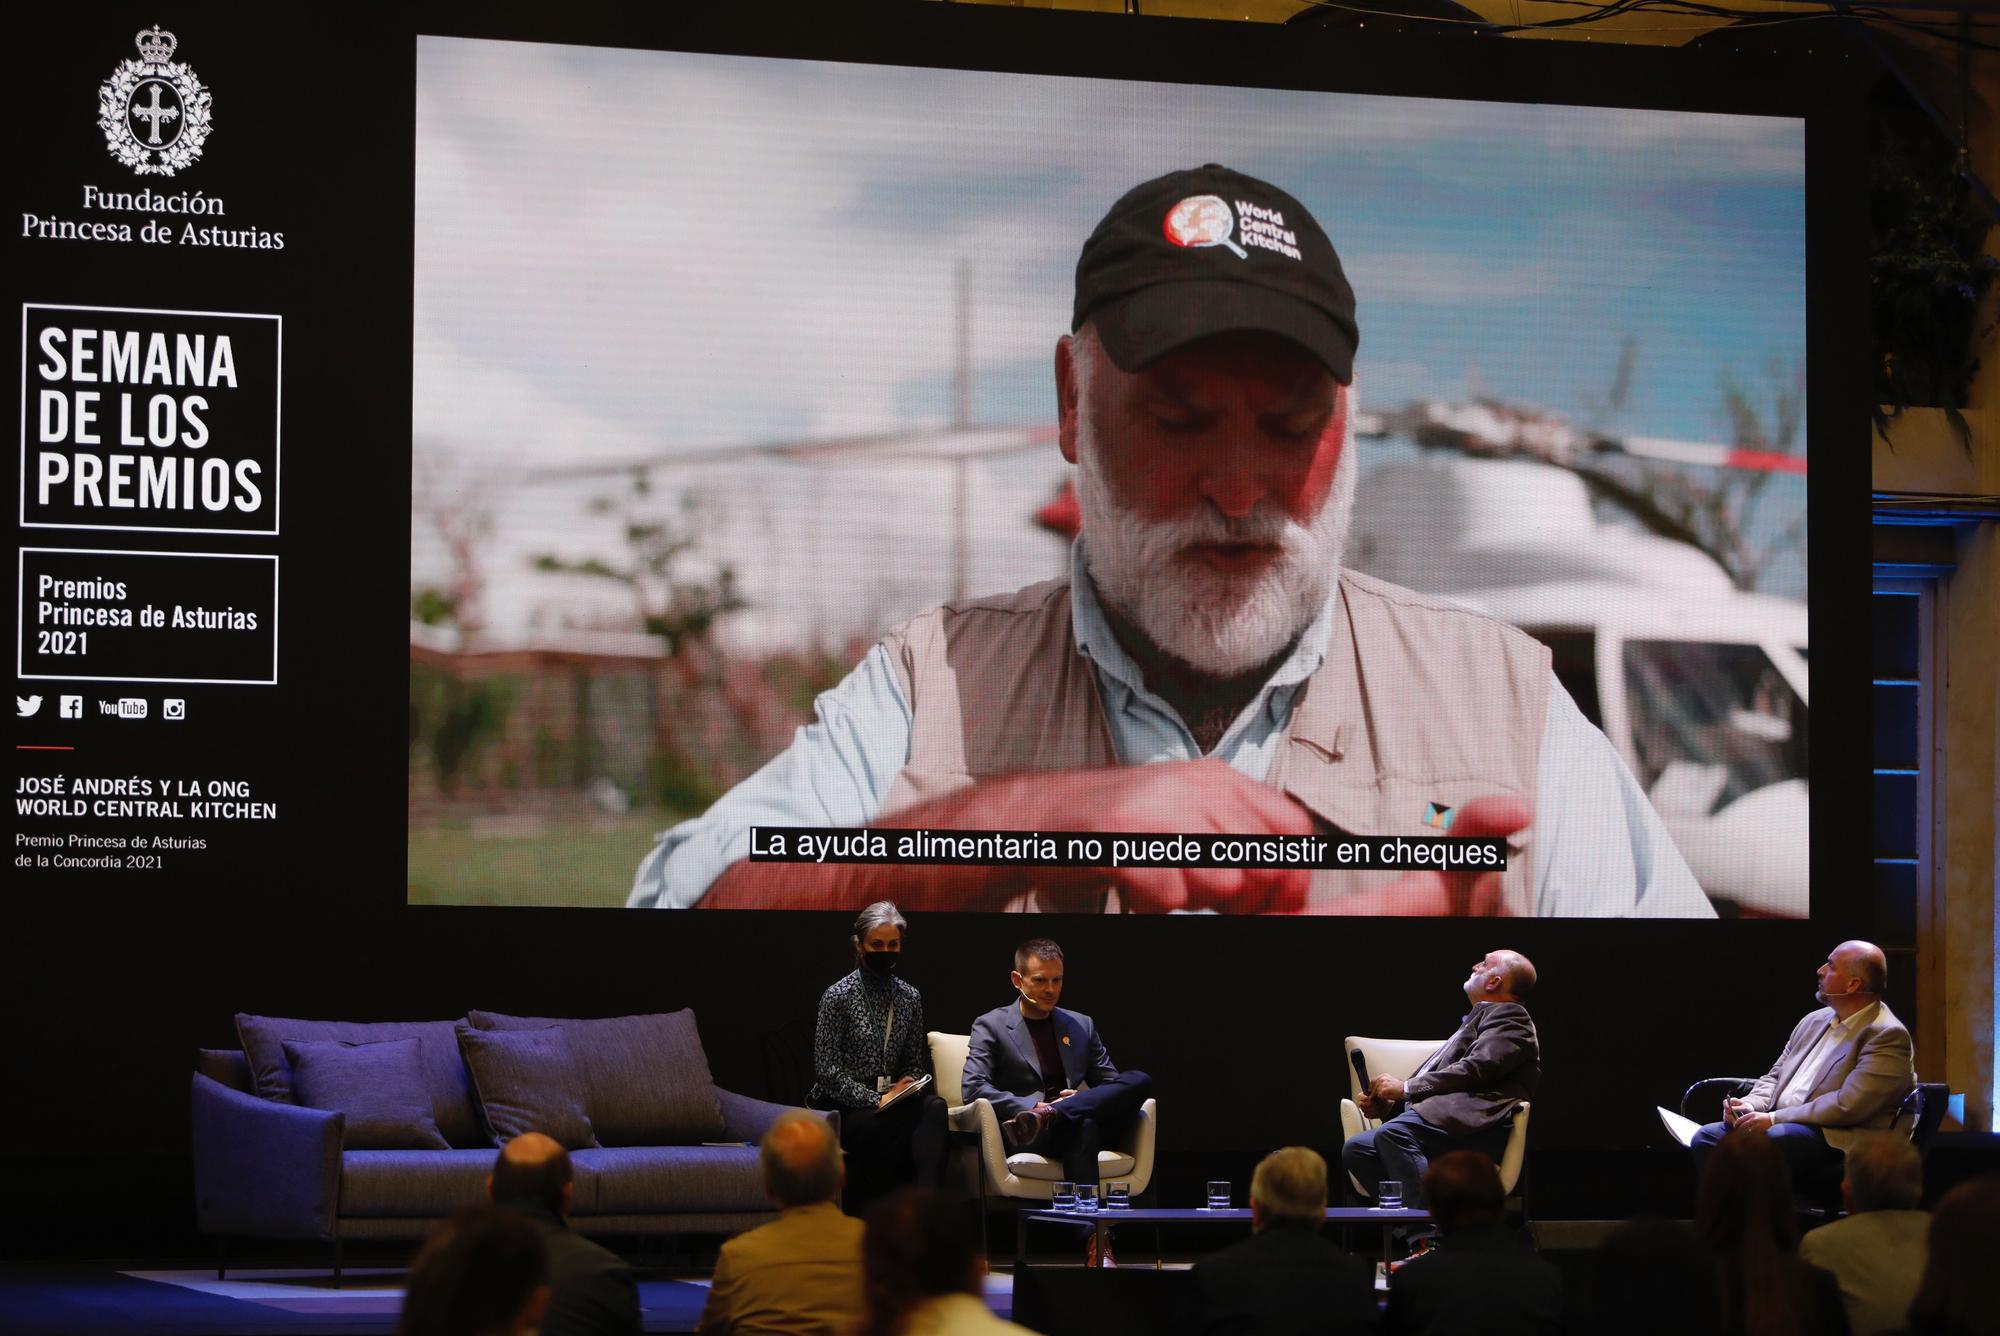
column 1463, row 1097
column 1482, row 1276
column 1047, row 1073
column 591, row 1291
column 1285, row 1280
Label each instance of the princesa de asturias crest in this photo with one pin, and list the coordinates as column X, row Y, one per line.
column 153, row 111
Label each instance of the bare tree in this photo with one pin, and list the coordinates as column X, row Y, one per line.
column 678, row 607
column 1601, row 409
column 1767, row 419
column 1716, row 513
column 453, row 719
column 457, row 503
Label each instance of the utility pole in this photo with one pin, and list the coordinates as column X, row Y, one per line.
column 961, row 418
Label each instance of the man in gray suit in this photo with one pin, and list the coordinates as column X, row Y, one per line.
column 1464, row 1096
column 1843, row 1072
column 1047, row 1073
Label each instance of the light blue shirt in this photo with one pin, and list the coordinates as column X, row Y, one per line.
column 1600, row 848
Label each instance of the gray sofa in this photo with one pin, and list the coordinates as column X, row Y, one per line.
column 268, row 1166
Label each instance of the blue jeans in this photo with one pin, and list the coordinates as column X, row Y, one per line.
column 1403, row 1149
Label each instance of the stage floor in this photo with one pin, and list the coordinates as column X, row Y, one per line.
column 80, row 1300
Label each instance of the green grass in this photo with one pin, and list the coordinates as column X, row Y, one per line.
column 563, row 865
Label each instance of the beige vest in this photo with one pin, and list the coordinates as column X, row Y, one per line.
column 1419, row 701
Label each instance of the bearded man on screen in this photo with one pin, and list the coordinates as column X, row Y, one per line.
column 1208, row 667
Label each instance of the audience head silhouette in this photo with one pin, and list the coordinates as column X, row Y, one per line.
column 920, row 1245
column 800, row 1160
column 484, row 1273
column 1743, row 1213
column 1960, row 1293
column 1653, row 1278
column 1464, row 1192
column 1289, row 1189
column 1884, row 1172
column 533, row 1167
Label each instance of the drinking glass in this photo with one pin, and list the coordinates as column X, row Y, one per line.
column 1390, row 1195
column 1118, row 1197
column 1086, row 1198
column 1064, row 1197
column 1218, row 1194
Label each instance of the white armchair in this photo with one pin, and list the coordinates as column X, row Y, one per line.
column 1401, row 1058
column 1024, row 1173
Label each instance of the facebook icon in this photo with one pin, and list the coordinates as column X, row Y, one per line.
column 72, row 707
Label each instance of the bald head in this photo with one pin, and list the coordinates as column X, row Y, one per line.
column 1853, row 978
column 1864, row 964
column 531, row 1148
column 1502, row 976
column 1520, row 974
column 800, row 1160
column 532, row 1167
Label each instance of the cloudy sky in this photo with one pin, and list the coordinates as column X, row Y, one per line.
column 625, row 254
column 646, row 249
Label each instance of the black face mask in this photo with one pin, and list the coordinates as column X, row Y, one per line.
column 881, row 964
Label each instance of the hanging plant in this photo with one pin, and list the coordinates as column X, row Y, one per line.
column 1929, row 272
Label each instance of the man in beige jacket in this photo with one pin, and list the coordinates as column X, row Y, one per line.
column 800, row 1275
column 1844, row 1071
column 1208, row 667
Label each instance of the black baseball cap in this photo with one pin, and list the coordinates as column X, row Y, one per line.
column 1212, row 251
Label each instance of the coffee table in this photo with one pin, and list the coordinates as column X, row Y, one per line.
column 1239, row 1217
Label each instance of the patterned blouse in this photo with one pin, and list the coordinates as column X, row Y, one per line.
column 849, row 1051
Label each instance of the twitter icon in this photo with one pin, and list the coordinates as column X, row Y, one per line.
column 27, row 705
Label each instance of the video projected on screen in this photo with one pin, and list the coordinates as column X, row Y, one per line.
column 1004, row 492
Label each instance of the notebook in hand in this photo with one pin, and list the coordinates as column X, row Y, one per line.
column 1682, row 1129
column 921, row 1083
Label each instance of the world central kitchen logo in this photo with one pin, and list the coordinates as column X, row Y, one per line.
column 153, row 111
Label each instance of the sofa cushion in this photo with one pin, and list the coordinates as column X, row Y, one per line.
column 444, row 1072
column 379, row 1086
column 634, row 1180
column 645, row 1078
column 418, row 1184
column 527, row 1082
column 1110, row 1164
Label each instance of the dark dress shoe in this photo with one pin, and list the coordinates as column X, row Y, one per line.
column 1025, row 1128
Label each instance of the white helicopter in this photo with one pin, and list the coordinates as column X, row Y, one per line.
column 1702, row 687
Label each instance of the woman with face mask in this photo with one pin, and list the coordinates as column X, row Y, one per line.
column 868, row 1049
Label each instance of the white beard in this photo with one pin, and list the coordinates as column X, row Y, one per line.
column 1222, row 626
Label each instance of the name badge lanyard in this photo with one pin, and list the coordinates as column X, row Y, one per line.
column 882, row 1081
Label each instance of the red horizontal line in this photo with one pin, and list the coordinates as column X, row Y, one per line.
column 30, row 746
column 1767, row 460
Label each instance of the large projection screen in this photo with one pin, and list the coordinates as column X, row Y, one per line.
column 725, row 367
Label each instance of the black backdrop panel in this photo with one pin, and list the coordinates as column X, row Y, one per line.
column 114, row 977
